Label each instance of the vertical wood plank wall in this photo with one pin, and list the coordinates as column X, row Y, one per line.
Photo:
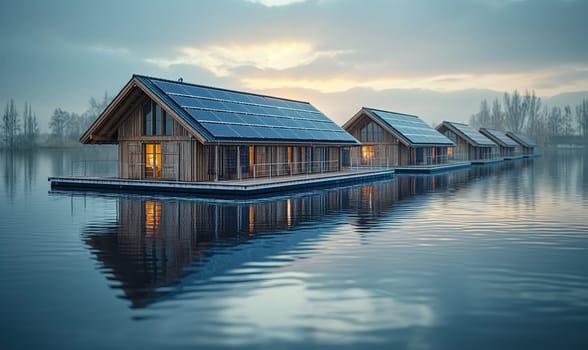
column 184, row 158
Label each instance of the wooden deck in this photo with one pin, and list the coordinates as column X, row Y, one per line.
column 228, row 188
column 486, row 161
column 430, row 169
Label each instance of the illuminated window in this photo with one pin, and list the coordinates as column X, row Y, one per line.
column 367, row 152
column 449, row 152
column 152, row 160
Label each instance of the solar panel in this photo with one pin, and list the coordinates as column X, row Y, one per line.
column 475, row 136
column 522, row 138
column 412, row 128
column 239, row 115
column 499, row 137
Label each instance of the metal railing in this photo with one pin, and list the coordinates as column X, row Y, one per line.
column 294, row 168
column 432, row 160
column 483, row 156
column 355, row 163
column 98, row 168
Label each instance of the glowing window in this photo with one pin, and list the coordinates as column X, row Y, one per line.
column 152, row 160
column 367, row 152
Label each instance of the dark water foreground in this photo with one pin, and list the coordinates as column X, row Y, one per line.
column 493, row 257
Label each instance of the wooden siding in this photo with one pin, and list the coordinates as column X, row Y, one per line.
column 183, row 158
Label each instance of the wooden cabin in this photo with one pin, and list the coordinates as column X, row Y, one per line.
column 526, row 144
column 395, row 139
column 171, row 130
column 469, row 143
column 506, row 146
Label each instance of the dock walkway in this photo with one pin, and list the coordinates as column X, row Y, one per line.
column 236, row 188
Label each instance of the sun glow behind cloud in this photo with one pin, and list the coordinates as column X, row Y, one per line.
column 443, row 82
column 223, row 60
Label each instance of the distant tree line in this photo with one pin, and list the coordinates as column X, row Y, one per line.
column 65, row 127
column 13, row 133
column 525, row 114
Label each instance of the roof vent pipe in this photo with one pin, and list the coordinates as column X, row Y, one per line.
column 181, row 80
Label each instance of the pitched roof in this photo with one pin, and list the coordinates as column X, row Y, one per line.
column 468, row 133
column 499, row 137
column 521, row 139
column 413, row 130
column 220, row 115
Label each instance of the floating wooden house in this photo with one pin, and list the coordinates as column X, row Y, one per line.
column 471, row 145
column 171, row 130
column 396, row 139
column 526, row 144
column 508, row 148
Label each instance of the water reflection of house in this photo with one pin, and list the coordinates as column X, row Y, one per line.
column 396, row 139
column 507, row 147
column 154, row 248
column 526, row 144
column 470, row 144
column 171, row 130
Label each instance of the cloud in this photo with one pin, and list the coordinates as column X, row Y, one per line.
column 272, row 3
column 223, row 60
column 548, row 82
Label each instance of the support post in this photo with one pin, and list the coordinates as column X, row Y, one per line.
column 239, row 162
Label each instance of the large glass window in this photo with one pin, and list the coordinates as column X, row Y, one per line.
column 370, row 132
column 157, row 130
column 148, row 119
column 169, row 130
column 152, row 160
column 157, row 121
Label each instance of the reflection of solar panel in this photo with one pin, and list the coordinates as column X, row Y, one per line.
column 473, row 135
column 237, row 115
column 412, row 128
column 499, row 137
column 521, row 138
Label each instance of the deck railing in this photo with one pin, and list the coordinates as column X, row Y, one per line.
column 294, row 168
column 370, row 163
column 98, row 168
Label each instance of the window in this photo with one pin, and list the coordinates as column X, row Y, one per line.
column 152, row 160
column 367, row 152
column 169, row 125
column 148, row 119
column 157, row 121
column 157, row 130
column 370, row 132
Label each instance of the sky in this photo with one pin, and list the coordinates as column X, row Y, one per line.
column 433, row 58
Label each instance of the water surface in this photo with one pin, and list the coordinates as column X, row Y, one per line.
column 488, row 257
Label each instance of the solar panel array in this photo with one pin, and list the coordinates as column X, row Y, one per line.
column 412, row 128
column 500, row 137
column 475, row 136
column 237, row 115
column 522, row 138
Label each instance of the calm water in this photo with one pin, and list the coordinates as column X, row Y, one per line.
column 492, row 257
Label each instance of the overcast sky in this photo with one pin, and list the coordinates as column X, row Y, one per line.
column 429, row 57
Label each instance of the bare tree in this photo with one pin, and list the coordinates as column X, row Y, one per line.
column 58, row 123
column 533, row 111
column 497, row 116
column 582, row 117
column 482, row 118
column 554, row 122
column 515, row 109
column 10, row 125
column 566, row 120
column 30, row 126
column 96, row 108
